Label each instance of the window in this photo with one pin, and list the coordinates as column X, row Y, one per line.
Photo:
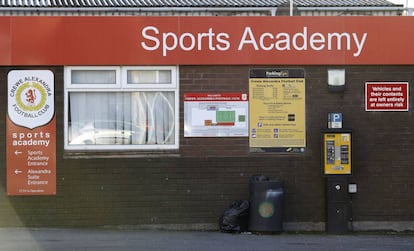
column 118, row 108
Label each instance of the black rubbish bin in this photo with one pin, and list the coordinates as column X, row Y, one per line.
column 266, row 205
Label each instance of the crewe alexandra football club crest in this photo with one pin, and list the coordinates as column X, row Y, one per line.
column 30, row 97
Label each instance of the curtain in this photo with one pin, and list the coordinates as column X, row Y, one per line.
column 138, row 118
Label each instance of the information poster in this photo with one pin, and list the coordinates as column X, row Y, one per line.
column 277, row 110
column 386, row 96
column 216, row 115
column 31, row 133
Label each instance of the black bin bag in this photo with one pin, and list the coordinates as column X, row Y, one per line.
column 236, row 217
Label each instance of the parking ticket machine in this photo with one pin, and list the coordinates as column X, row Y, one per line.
column 337, row 167
column 337, row 152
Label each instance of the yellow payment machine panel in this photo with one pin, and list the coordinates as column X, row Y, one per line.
column 337, row 152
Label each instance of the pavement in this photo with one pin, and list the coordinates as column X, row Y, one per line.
column 22, row 239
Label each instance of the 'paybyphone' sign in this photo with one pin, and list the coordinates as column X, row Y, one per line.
column 31, row 133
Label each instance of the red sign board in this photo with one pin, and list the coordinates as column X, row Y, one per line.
column 386, row 96
column 31, row 133
column 183, row 40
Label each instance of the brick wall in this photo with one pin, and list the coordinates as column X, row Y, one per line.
column 196, row 184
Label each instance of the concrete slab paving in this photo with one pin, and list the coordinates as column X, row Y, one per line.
column 22, row 239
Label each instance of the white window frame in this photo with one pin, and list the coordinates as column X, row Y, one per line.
column 125, row 83
column 120, row 86
column 68, row 77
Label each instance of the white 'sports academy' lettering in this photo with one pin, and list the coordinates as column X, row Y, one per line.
column 31, row 139
column 185, row 41
column 304, row 40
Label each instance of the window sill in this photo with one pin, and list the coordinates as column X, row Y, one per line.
column 120, row 154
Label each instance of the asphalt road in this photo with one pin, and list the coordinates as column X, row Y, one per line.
column 22, row 239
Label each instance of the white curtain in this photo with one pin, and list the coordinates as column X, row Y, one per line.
column 139, row 118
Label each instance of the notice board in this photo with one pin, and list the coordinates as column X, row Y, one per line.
column 31, row 133
column 216, row 114
column 277, row 110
